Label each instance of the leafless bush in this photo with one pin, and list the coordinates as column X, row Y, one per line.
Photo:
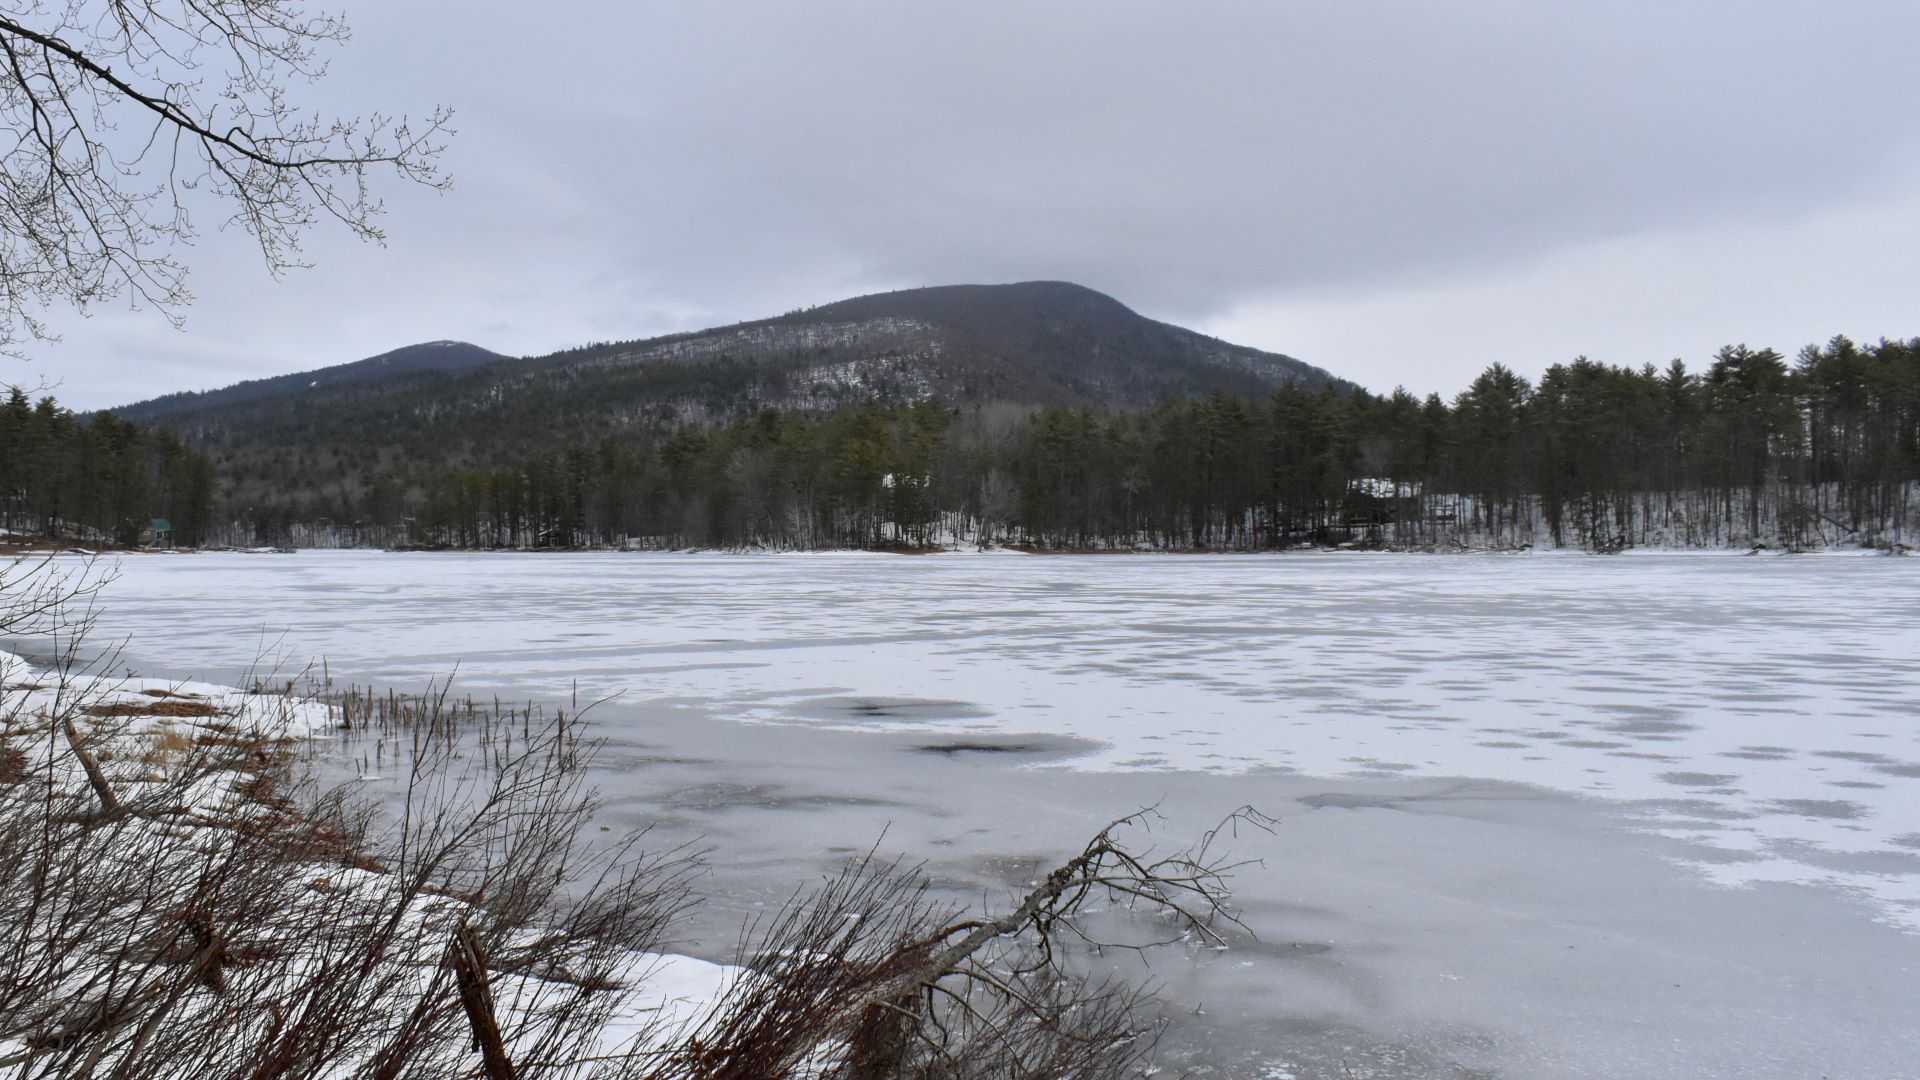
column 178, row 902
column 868, row 978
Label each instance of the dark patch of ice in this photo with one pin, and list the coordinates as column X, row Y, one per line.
column 956, row 748
column 1759, row 753
column 1886, row 861
column 1837, row 809
column 1375, row 765
column 1649, row 727
column 1697, row 808
column 1697, row 779
column 724, row 796
column 912, row 710
column 1854, row 755
column 1350, row 801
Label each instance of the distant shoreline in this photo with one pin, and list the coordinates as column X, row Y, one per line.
column 29, row 551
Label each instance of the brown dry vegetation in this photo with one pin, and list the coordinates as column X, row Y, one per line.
column 168, row 708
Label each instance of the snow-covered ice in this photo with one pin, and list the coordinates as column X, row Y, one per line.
column 1768, row 707
column 1744, row 863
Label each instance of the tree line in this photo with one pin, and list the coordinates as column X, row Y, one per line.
column 97, row 479
column 1753, row 450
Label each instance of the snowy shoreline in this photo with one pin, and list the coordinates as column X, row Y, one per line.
column 137, row 737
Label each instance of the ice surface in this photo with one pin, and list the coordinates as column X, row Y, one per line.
column 1747, row 722
column 1768, row 708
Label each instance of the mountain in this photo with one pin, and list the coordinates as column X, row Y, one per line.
column 431, row 356
column 449, row 403
column 1038, row 342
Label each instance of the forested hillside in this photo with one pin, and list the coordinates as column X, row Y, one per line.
column 1035, row 343
column 430, row 357
column 1751, row 451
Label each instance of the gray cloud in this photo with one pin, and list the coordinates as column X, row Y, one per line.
column 627, row 169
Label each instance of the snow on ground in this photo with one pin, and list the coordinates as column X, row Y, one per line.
column 1763, row 707
column 147, row 704
column 137, row 728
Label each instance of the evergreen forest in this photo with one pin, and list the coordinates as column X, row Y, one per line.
column 98, row 479
column 1753, row 450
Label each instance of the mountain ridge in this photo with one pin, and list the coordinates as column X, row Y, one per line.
column 1039, row 342
column 426, row 356
column 441, row 406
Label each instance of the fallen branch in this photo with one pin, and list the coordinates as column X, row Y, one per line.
column 469, row 962
column 110, row 806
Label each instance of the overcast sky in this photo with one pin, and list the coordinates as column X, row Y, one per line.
column 1399, row 192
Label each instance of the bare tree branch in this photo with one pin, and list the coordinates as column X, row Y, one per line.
column 116, row 116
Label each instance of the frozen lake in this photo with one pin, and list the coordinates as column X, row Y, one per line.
column 1543, row 816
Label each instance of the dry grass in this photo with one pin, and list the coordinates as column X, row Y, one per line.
column 175, row 708
column 162, row 749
